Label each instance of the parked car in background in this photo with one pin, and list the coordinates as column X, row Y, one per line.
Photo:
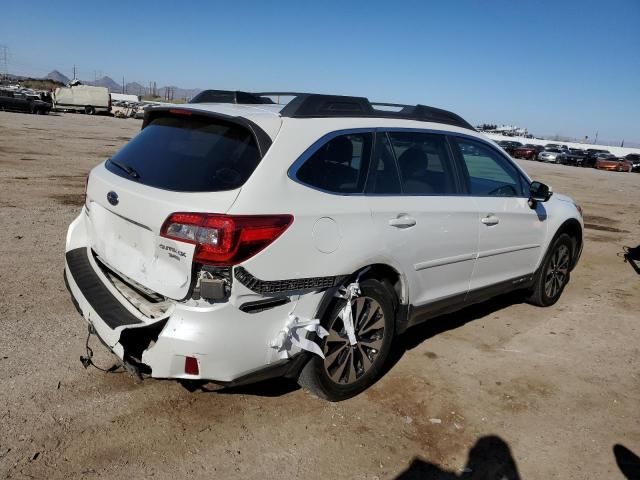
column 573, row 157
column 634, row 158
column 552, row 145
column 591, row 155
column 528, row 151
column 551, row 155
column 509, row 146
column 608, row 161
column 20, row 102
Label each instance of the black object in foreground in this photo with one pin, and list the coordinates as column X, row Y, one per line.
column 632, row 255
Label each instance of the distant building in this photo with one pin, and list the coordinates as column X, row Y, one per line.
column 505, row 130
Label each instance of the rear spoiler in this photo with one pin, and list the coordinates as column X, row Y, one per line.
column 263, row 140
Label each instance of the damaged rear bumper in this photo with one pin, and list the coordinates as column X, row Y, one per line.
column 231, row 345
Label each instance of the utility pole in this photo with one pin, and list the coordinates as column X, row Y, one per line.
column 123, row 84
column 74, row 71
column 4, row 62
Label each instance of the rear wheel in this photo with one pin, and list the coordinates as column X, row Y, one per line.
column 554, row 274
column 349, row 369
column 89, row 110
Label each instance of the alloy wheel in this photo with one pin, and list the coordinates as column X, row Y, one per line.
column 557, row 271
column 345, row 363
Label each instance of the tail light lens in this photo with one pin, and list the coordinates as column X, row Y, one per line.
column 225, row 239
column 191, row 366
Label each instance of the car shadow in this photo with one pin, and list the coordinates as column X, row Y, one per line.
column 489, row 458
column 628, row 462
column 418, row 334
column 274, row 387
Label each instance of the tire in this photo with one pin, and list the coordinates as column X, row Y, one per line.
column 343, row 372
column 89, row 110
column 554, row 274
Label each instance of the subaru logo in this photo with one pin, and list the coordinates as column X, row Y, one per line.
column 113, row 198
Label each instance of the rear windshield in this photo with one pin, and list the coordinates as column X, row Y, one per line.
column 188, row 154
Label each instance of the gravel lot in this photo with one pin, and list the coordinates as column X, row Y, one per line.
column 502, row 387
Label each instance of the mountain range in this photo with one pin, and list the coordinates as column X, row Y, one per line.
column 133, row 88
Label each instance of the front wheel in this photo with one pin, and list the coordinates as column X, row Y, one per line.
column 89, row 110
column 554, row 274
column 349, row 369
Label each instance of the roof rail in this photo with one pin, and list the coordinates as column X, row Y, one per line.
column 313, row 105
column 229, row 96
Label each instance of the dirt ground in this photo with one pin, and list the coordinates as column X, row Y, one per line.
column 503, row 387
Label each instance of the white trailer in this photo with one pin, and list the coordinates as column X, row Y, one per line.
column 82, row 98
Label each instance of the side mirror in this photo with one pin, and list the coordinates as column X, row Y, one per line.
column 539, row 192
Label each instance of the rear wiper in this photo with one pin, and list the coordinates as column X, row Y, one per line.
column 126, row 168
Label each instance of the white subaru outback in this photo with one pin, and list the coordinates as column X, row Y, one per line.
column 236, row 239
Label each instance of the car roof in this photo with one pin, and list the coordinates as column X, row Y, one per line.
column 269, row 118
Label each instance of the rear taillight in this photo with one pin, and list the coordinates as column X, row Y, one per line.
column 225, row 239
column 191, row 366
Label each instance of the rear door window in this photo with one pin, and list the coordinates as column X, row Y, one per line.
column 188, row 154
column 424, row 163
column 340, row 165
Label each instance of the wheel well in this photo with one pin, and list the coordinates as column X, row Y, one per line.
column 572, row 228
column 391, row 278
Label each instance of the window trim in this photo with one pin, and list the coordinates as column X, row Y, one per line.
column 523, row 179
column 461, row 175
column 292, row 172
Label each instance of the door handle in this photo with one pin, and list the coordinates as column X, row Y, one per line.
column 402, row 221
column 490, row 219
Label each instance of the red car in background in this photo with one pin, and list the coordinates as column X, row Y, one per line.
column 528, row 151
column 607, row 161
column 509, row 146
